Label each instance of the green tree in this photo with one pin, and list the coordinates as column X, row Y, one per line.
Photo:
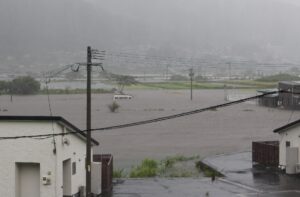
column 24, row 85
column 4, row 87
column 124, row 80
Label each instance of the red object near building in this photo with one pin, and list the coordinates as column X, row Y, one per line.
column 265, row 153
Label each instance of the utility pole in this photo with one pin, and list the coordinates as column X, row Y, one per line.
column 167, row 72
column 191, row 74
column 229, row 70
column 88, row 122
column 98, row 55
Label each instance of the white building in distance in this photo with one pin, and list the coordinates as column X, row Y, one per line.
column 38, row 167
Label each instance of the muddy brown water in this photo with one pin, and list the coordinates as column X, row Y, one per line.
column 231, row 129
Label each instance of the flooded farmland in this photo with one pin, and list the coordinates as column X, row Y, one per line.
column 230, row 129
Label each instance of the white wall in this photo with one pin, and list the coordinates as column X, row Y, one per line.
column 75, row 151
column 291, row 135
column 39, row 151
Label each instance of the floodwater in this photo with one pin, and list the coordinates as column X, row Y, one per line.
column 219, row 131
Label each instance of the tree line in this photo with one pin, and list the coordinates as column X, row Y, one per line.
column 24, row 85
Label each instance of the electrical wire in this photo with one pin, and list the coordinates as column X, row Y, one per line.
column 193, row 60
column 50, row 74
column 293, row 110
column 52, row 121
column 145, row 121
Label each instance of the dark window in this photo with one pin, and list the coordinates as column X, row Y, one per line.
column 287, row 143
column 73, row 168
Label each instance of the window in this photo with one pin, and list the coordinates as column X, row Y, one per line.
column 287, row 144
column 73, row 168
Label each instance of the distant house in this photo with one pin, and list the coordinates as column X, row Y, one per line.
column 52, row 167
column 289, row 145
column 290, row 98
column 270, row 100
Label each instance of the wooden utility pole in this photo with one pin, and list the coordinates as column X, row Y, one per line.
column 88, row 122
column 191, row 74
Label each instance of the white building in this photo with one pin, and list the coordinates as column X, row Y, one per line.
column 289, row 145
column 52, row 167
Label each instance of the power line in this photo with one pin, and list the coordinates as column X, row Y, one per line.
column 194, row 60
column 53, row 73
column 147, row 121
column 40, row 136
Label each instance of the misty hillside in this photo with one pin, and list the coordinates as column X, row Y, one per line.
column 44, row 30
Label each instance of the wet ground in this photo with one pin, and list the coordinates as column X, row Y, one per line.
column 263, row 181
column 241, row 180
column 186, row 187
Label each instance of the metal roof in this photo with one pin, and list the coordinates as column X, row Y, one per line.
column 49, row 118
column 286, row 127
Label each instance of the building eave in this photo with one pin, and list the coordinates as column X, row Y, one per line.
column 286, row 127
column 57, row 119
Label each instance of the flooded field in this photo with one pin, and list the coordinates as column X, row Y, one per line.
column 231, row 129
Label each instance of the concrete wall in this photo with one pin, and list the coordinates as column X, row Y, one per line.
column 293, row 137
column 39, row 151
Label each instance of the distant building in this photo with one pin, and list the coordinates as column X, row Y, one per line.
column 289, row 145
column 270, row 100
column 52, row 167
column 288, row 96
column 290, row 99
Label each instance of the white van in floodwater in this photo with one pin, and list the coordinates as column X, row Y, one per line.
column 122, row 97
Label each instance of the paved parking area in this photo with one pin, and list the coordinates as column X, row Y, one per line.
column 241, row 181
column 179, row 187
column 238, row 170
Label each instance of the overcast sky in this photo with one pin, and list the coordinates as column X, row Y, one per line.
column 252, row 29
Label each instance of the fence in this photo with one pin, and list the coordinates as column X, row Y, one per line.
column 266, row 153
column 107, row 171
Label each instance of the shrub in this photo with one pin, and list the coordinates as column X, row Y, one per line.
column 207, row 170
column 170, row 161
column 118, row 173
column 147, row 168
column 113, row 107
